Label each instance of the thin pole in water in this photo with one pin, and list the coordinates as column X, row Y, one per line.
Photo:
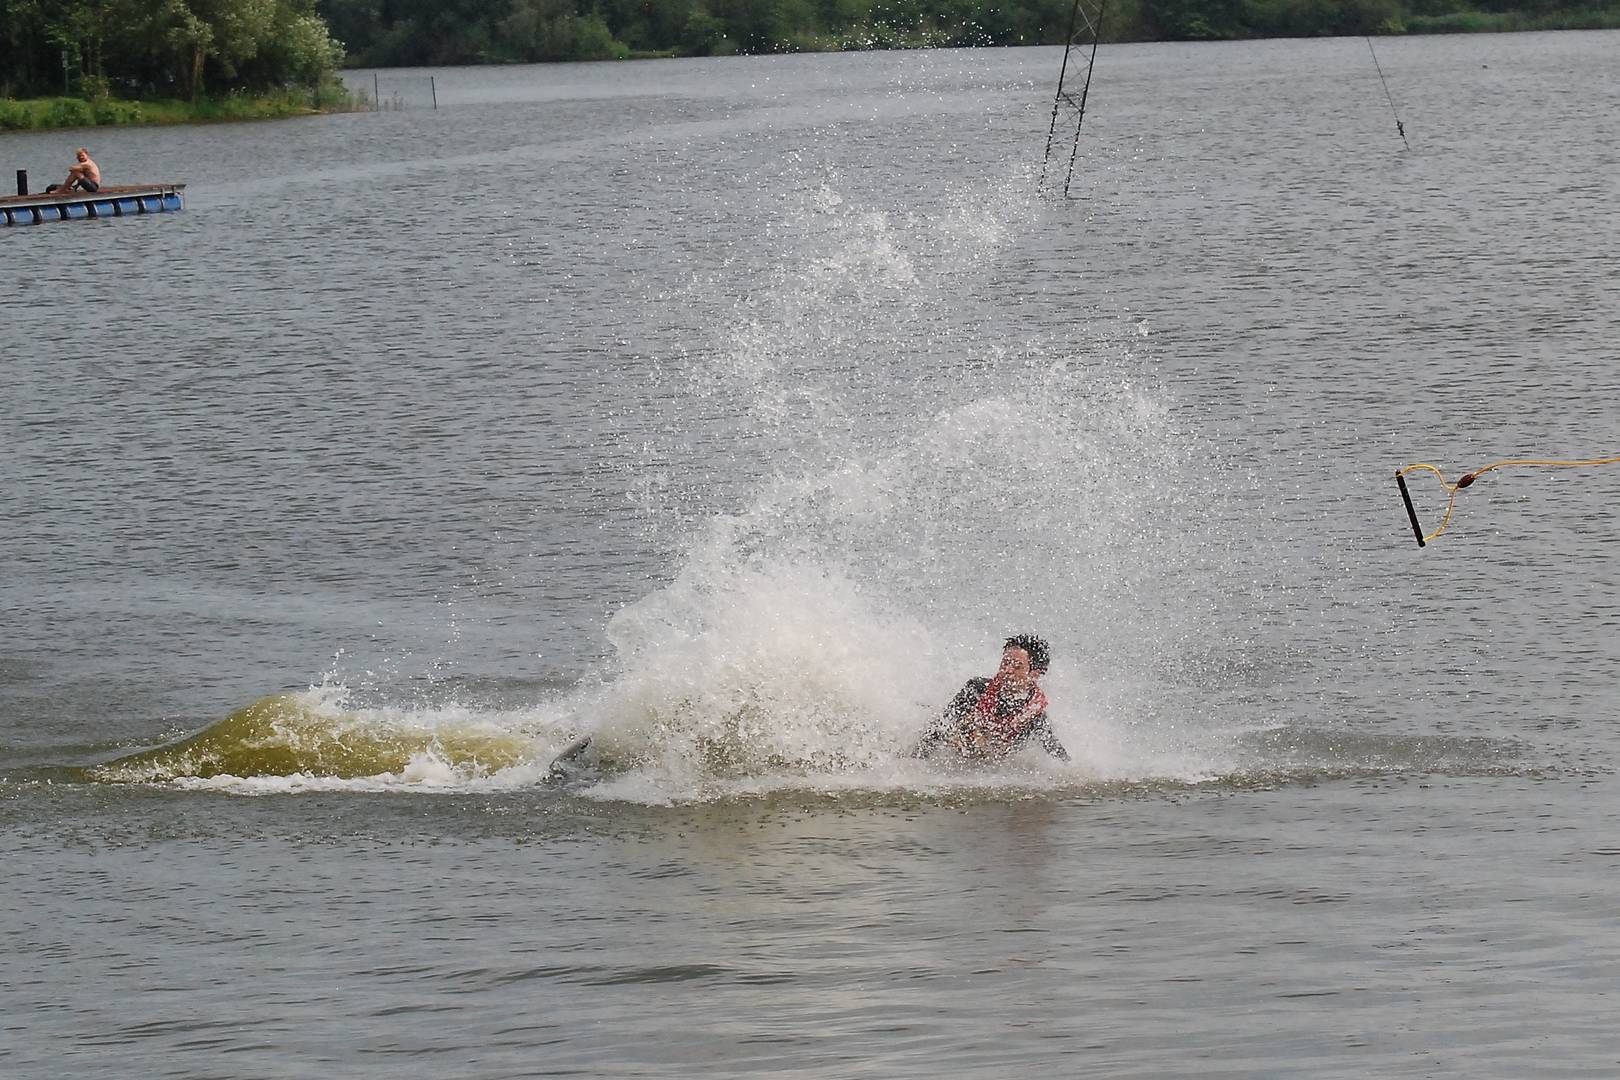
column 376, row 93
column 434, row 87
column 1085, row 92
column 1057, row 101
column 1399, row 127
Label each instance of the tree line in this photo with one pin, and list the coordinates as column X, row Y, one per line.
column 187, row 48
column 431, row 32
column 162, row 48
column 387, row 33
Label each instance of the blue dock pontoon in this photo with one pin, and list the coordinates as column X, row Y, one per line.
column 123, row 201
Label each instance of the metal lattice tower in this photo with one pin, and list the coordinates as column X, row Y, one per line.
column 1085, row 27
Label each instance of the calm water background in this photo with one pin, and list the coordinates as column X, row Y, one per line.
column 732, row 410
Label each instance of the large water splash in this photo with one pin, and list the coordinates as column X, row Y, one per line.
column 909, row 475
column 927, row 478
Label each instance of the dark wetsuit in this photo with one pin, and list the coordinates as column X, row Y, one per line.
column 954, row 722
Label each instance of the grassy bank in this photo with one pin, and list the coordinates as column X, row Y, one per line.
column 36, row 114
column 1505, row 22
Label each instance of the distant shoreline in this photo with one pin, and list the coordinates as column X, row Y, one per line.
column 59, row 113
column 592, row 36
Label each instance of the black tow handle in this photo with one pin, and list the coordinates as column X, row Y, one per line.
column 1411, row 514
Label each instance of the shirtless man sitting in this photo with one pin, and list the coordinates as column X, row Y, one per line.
column 85, row 176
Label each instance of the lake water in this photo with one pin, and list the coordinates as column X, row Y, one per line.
column 732, row 411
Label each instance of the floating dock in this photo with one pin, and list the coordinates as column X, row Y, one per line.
column 111, row 201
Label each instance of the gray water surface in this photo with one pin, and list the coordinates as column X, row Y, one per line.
column 733, row 410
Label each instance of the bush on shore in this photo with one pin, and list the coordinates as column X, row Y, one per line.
column 64, row 112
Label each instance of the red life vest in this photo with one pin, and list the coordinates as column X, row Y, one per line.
column 1005, row 729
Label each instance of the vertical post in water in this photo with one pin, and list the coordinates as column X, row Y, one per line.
column 434, row 87
column 1085, row 30
column 22, row 181
column 1063, row 72
column 376, row 93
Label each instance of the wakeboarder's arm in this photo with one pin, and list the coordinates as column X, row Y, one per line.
column 965, row 699
column 1042, row 731
column 950, row 721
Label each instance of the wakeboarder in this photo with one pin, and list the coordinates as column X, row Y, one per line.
column 991, row 718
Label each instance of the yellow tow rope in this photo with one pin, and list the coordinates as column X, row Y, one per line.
column 1452, row 489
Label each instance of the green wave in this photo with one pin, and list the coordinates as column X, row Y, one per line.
column 287, row 735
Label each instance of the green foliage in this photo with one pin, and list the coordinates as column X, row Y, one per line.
column 594, row 41
column 150, row 48
column 68, row 113
column 1193, row 20
column 82, row 55
column 538, row 30
column 704, row 35
column 108, row 112
column 1457, row 22
column 45, row 113
column 301, row 50
column 1476, row 22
